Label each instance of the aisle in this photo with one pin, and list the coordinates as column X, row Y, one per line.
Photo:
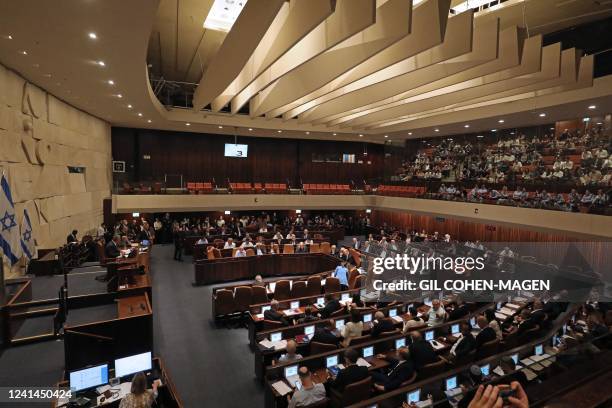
column 210, row 366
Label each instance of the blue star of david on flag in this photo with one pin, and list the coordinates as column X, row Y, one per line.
column 28, row 244
column 10, row 238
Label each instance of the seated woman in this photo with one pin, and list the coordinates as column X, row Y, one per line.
column 139, row 396
column 414, row 322
column 352, row 329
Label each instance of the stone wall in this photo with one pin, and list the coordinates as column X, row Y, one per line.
column 40, row 136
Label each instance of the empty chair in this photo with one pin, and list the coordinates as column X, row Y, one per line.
column 271, row 324
column 250, row 252
column 217, row 253
column 299, row 289
column 224, row 302
column 360, row 281
column 243, row 298
column 316, row 347
column 359, row 340
column 314, row 248
column 353, row 274
column 282, row 290
column 276, row 248
column 313, row 286
column 325, row 247
column 429, row 370
column 409, row 381
column 210, row 252
column 332, row 285
column 487, row 349
column 260, row 295
column 288, row 249
column 353, row 393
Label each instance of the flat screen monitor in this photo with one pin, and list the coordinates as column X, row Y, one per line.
column 427, row 301
column 514, row 358
column 429, row 335
column 278, row 336
column 473, row 322
column 264, row 308
column 484, row 369
column 331, row 361
column 320, row 301
column 414, row 396
column 367, row 317
column 499, row 305
column 368, row 351
column 89, row 377
column 362, row 292
column 291, row 371
column 295, row 304
column 451, row 383
column 345, row 297
column 133, row 364
column 339, row 324
column 236, row 150
column 455, row 329
column 309, row 330
column 538, row 350
column 392, row 312
column 399, row 343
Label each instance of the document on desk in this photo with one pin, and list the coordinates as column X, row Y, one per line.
column 499, row 371
column 397, row 319
column 500, row 316
column 541, row 357
column 529, row 374
column 519, row 299
column 536, row 367
column 512, row 306
column 363, row 363
column 266, row 343
column 507, row 311
column 279, row 345
column 281, row 387
column 291, row 312
column 527, row 361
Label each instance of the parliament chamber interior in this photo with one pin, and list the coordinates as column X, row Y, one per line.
column 306, row 203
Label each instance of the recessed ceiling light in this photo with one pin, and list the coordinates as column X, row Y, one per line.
column 436, row 130
column 139, row 114
column 220, row 127
column 501, row 121
column 148, row 120
column 279, row 131
column 599, row 123
column 101, row 63
column 129, row 106
column 511, row 133
column 250, row 129
column 9, row 37
column 466, row 126
column 187, row 124
column 111, row 82
column 552, row 128
column 542, row 114
column 119, row 96
column 493, row 130
column 24, row 52
column 335, row 134
column 592, row 107
column 223, row 14
column 360, row 135
column 480, row 136
column 92, row 35
column 409, row 133
column 307, row 133
column 386, row 136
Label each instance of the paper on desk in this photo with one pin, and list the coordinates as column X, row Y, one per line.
column 362, row 363
column 546, row 363
column 527, row 361
column 259, row 315
column 291, row 312
column 281, row 387
column 279, row 345
column 266, row 343
column 529, row 374
column 500, row 316
column 519, row 299
column 512, row 305
column 397, row 319
column 507, row 311
column 536, row 367
column 540, row 357
column 498, row 370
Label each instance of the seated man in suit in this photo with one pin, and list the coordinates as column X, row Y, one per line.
column 112, row 248
column 72, row 238
column 301, row 248
column 421, row 351
column 274, row 315
column 524, row 322
column 309, row 316
column 383, row 324
column 400, row 370
column 351, row 373
column 537, row 312
column 325, row 334
column 331, row 305
column 486, row 333
column 465, row 344
column 310, row 392
column 259, row 281
column 459, row 311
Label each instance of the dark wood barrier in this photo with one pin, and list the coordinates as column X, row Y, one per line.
column 209, row 271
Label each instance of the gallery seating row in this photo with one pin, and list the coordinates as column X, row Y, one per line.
column 401, row 191
column 326, row 189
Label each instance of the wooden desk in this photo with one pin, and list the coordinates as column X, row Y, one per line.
column 132, row 306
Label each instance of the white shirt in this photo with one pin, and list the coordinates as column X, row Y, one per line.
column 228, row 245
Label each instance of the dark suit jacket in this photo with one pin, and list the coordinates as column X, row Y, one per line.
column 538, row 316
column 70, row 239
column 458, row 312
column 275, row 316
column 299, row 250
column 526, row 325
column 111, row 250
column 466, row 344
column 487, row 334
column 400, row 371
column 325, row 336
column 330, row 308
column 383, row 325
column 422, row 353
column 349, row 375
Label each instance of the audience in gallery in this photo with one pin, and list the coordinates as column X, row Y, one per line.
column 571, row 160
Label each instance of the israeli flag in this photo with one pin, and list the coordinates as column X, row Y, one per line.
column 28, row 243
column 10, row 241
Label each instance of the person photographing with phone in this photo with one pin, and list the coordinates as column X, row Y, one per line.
column 500, row 396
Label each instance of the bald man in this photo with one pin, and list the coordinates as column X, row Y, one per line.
column 383, row 324
column 291, row 354
column 486, row 332
column 309, row 393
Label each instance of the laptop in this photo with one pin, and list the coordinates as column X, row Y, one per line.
column 295, row 304
column 339, row 324
column 265, row 308
column 399, row 343
column 413, row 396
column 367, row 317
column 309, row 331
column 392, row 312
column 368, row 351
column 451, row 383
column 515, row 358
column 291, row 374
column 485, row 369
column 473, row 323
column 455, row 329
column 429, row 335
column 274, row 337
column 538, row 350
column 320, row 301
column 331, row 363
column 345, row 297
